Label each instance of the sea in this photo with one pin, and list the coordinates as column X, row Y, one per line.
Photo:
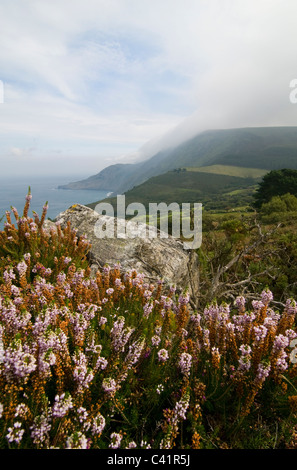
column 44, row 189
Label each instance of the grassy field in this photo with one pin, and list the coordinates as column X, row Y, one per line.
column 231, row 170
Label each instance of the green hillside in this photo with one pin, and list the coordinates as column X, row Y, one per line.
column 259, row 148
column 220, row 191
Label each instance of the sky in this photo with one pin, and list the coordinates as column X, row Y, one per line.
column 89, row 83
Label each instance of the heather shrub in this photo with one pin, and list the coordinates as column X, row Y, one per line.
column 111, row 361
column 52, row 248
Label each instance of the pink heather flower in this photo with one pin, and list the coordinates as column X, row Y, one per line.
column 134, row 352
column 184, row 299
column 260, row 332
column 61, row 405
column 262, row 373
column 240, row 303
column 281, row 363
column 8, row 275
column 131, row 445
column 109, row 385
column 82, row 374
column 33, row 227
column 18, row 364
column 166, row 302
column 116, row 440
column 98, row 425
column 118, row 282
column 185, row 363
column 156, row 340
column 163, row 355
column 245, row 349
column 147, row 309
column 180, row 408
column 15, row 434
column 67, row 260
column 119, row 335
column 291, row 306
column 110, row 291
column 102, row 321
column 291, row 334
column 101, row 363
column 280, row 342
column 266, row 296
column 40, row 428
column 82, row 417
column 77, row 441
column 196, row 318
column 61, row 278
column 257, row 305
column 147, row 294
column 244, row 361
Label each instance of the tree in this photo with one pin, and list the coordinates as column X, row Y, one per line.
column 276, row 183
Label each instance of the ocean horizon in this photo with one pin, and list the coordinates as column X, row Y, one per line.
column 44, row 189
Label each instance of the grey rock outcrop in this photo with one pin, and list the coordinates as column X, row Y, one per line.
column 157, row 258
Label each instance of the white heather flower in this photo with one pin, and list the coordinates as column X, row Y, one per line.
column 21, row 410
column 115, row 440
column 163, row 355
column 15, row 434
column 160, row 389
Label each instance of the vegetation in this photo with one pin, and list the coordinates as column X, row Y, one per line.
column 211, row 189
column 276, row 183
column 112, row 362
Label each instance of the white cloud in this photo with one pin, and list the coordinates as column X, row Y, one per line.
column 100, row 79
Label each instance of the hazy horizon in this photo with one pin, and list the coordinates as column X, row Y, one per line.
column 117, row 80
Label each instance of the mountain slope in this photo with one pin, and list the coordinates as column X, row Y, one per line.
column 210, row 189
column 263, row 148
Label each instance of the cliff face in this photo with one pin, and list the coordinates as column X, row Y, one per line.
column 112, row 178
column 157, row 258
